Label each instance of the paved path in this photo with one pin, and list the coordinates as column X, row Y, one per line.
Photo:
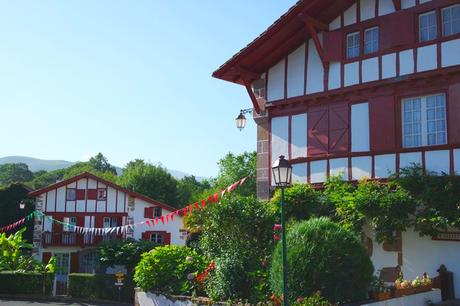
column 5, row 302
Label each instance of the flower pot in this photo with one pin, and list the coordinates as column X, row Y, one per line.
column 381, row 296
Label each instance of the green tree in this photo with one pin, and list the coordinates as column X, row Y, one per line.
column 153, row 181
column 100, row 163
column 234, row 167
column 188, row 188
column 14, row 173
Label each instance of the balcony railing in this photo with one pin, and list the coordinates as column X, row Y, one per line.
column 74, row 239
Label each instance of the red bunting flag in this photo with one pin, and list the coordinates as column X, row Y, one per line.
column 172, row 216
column 211, row 199
column 203, row 203
column 216, row 197
column 162, row 218
column 197, row 206
column 148, row 222
column 184, row 211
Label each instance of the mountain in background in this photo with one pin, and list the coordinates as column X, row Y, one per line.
column 36, row 164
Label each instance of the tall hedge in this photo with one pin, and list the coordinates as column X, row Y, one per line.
column 322, row 256
column 26, row 283
column 99, row 286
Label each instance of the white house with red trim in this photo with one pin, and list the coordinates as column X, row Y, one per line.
column 361, row 89
column 89, row 201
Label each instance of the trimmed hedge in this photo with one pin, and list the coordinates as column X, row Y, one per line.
column 99, row 286
column 26, row 282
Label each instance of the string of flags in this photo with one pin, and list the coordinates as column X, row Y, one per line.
column 98, row 231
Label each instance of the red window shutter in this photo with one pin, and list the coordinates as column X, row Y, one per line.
column 453, row 113
column 166, row 238
column 148, row 212
column 339, row 128
column 92, row 194
column 81, row 194
column 46, row 256
column 382, row 123
column 332, row 45
column 397, row 30
column 57, row 228
column 146, row 236
column 318, row 125
column 74, row 263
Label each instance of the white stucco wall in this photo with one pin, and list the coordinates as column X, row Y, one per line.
column 275, row 86
column 296, row 72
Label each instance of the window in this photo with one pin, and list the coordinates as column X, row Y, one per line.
column 110, row 222
column 157, row 238
column 353, row 45
column 71, row 194
column 69, row 224
column 157, row 212
column 371, row 40
column 451, row 20
column 427, row 26
column 424, row 121
column 102, row 194
column 258, row 87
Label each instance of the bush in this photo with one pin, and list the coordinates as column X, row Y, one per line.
column 165, row 269
column 99, row 286
column 26, row 283
column 322, row 256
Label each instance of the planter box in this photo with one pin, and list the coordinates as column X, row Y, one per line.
column 418, row 299
column 403, row 292
column 381, row 296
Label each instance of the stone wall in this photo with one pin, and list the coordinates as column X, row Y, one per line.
column 263, row 156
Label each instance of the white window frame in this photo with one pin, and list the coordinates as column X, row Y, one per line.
column 424, row 121
column 110, row 222
column 69, row 220
column 104, row 194
column 158, row 238
column 373, row 42
column 354, row 46
column 157, row 212
column 420, row 29
column 258, row 88
column 451, row 21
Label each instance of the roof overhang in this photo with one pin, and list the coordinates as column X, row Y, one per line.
column 282, row 37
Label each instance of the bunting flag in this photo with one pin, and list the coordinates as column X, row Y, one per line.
column 187, row 210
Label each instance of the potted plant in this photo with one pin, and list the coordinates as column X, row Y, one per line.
column 403, row 286
column 378, row 291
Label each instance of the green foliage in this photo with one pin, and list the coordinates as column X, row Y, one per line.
column 303, row 202
column 123, row 252
column 99, row 286
column 14, row 173
column 237, row 234
column 437, row 200
column 188, row 188
column 101, row 164
column 26, row 283
column 153, row 181
column 12, row 249
column 165, row 269
column 322, row 256
column 314, row 300
column 10, row 197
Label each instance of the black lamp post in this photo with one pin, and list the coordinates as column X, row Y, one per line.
column 282, row 174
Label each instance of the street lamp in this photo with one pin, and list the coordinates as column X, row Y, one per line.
column 241, row 119
column 22, row 205
column 282, row 174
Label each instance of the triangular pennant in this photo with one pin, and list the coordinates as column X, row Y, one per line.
column 172, row 216
column 148, row 223
column 243, row 180
column 197, row 206
column 162, row 218
column 203, row 203
column 211, row 199
column 167, row 218
column 216, row 197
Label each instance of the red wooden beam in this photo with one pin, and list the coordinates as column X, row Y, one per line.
column 312, row 27
column 397, row 4
column 247, row 77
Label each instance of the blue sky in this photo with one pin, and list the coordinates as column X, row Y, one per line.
column 130, row 79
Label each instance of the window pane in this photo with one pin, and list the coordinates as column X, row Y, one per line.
column 451, row 20
column 431, row 139
column 371, row 40
column 427, row 26
column 353, row 45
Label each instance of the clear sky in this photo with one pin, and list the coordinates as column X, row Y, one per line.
column 130, row 79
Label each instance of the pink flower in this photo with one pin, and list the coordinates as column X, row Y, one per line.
column 277, row 227
column 276, row 237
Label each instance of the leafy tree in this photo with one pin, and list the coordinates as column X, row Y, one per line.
column 123, row 252
column 188, row 188
column 13, row 173
column 153, row 181
column 100, row 163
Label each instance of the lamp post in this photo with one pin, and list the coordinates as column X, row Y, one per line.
column 282, row 174
column 241, row 119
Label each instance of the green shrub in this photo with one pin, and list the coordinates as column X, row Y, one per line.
column 26, row 283
column 165, row 269
column 99, row 286
column 314, row 300
column 322, row 256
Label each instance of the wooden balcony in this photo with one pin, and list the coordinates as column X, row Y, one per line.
column 74, row 239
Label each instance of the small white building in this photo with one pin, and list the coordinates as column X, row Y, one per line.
column 92, row 206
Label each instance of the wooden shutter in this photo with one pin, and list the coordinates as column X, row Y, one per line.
column 166, row 238
column 397, row 30
column 382, row 112
column 339, row 128
column 318, row 124
column 453, row 114
column 92, row 194
column 148, row 212
column 80, row 194
column 146, row 236
column 46, row 256
column 332, row 42
column 74, row 262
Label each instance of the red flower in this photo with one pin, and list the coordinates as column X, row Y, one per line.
column 276, row 237
column 277, row 227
